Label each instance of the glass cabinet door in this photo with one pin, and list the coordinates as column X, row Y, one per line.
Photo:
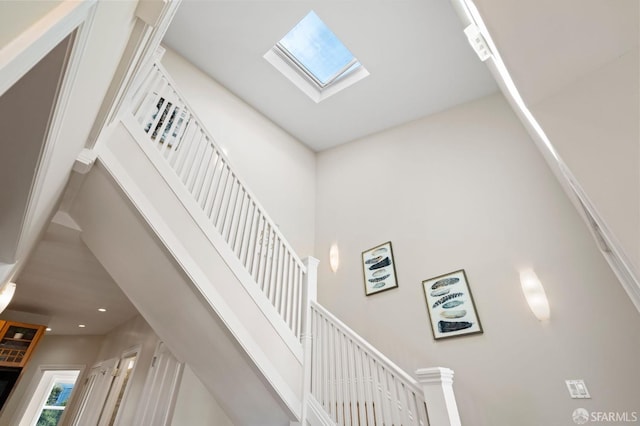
column 17, row 342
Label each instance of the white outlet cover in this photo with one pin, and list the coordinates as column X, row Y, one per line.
column 578, row 389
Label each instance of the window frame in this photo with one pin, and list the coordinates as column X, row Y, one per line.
column 40, row 389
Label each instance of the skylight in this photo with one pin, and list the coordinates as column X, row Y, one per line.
column 320, row 62
column 315, row 47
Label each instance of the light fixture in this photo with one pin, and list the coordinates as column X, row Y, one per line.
column 334, row 257
column 102, row 310
column 48, row 329
column 535, row 295
column 6, row 294
column 81, row 325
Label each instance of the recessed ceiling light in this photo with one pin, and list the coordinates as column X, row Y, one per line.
column 102, row 310
column 48, row 329
column 81, row 325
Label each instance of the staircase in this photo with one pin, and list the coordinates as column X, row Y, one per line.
column 222, row 267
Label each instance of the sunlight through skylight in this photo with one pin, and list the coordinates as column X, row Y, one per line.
column 317, row 49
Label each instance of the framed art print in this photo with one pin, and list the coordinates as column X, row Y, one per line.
column 450, row 305
column 379, row 269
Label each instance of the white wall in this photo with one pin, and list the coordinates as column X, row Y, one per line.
column 468, row 189
column 579, row 78
column 195, row 406
column 133, row 332
column 594, row 125
column 52, row 350
column 275, row 166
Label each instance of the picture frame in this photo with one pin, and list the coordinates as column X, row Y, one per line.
column 379, row 269
column 452, row 311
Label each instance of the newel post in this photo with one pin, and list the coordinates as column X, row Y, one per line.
column 309, row 290
column 309, row 293
column 437, row 385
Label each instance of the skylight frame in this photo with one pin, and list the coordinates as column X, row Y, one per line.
column 292, row 68
column 338, row 74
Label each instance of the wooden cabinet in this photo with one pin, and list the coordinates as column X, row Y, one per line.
column 17, row 342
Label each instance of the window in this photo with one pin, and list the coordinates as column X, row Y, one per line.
column 315, row 60
column 50, row 397
column 56, row 401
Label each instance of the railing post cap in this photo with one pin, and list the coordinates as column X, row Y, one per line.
column 434, row 375
column 310, row 261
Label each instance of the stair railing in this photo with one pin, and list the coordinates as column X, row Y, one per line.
column 188, row 148
column 355, row 383
column 346, row 380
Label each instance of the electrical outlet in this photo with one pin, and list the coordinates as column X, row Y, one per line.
column 577, row 389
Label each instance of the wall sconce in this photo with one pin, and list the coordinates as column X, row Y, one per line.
column 6, row 294
column 334, row 257
column 535, row 295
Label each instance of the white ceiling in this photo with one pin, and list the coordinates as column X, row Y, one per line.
column 416, row 51
column 63, row 281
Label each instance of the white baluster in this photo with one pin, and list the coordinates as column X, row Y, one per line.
column 333, row 377
column 277, row 298
column 286, row 290
column 160, row 137
column 241, row 223
column 227, row 223
column 315, row 357
column 186, row 123
column 358, row 382
column 354, row 406
column 272, row 244
column 257, row 250
column 244, row 256
column 217, row 170
column 226, row 188
column 173, row 138
column 192, row 168
column 148, row 106
column 176, row 160
column 190, row 150
column 202, row 169
column 324, row 362
column 203, row 185
column 138, row 100
column 298, row 294
column 367, row 382
column 380, row 395
column 403, row 402
column 159, row 104
column 412, row 411
column 219, row 197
